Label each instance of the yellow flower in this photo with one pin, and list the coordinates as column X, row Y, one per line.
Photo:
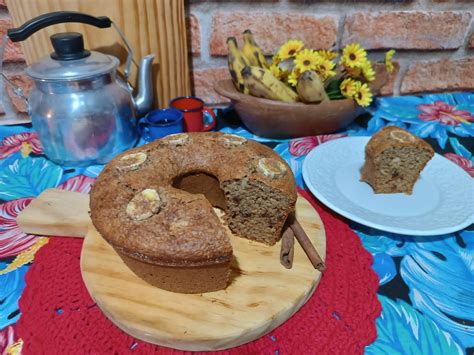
column 293, row 77
column 276, row 59
column 363, row 96
column 307, row 59
column 368, row 71
column 354, row 72
column 325, row 69
column 284, row 68
column 327, row 54
column 276, row 71
column 284, row 75
column 388, row 60
column 290, row 49
column 353, row 55
column 349, row 87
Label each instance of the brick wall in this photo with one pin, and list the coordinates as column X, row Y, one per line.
column 434, row 39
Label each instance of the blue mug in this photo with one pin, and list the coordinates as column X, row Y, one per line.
column 160, row 123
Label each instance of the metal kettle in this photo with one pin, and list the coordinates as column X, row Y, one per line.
column 83, row 111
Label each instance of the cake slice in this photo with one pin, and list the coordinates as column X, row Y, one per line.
column 394, row 159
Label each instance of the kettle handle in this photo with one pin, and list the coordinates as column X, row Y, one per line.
column 35, row 24
column 52, row 18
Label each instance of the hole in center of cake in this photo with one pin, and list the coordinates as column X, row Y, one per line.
column 202, row 183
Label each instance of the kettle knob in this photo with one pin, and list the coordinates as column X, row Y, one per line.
column 68, row 46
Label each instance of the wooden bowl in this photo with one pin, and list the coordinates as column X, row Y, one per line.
column 277, row 119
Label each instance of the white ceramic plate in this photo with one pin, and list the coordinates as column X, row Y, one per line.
column 442, row 200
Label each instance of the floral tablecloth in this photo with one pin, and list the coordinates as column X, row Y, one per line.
column 426, row 283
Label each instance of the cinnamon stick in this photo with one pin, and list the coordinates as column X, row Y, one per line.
column 287, row 248
column 307, row 246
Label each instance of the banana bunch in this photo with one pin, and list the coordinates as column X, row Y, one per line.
column 310, row 88
column 294, row 74
column 250, row 55
column 236, row 62
column 249, row 70
column 261, row 83
column 253, row 52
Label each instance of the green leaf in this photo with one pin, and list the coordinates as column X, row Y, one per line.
column 335, row 96
column 334, row 86
column 28, row 177
column 401, row 329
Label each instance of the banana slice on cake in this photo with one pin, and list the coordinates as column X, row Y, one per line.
column 144, row 205
column 271, row 168
column 178, row 139
column 232, row 140
column 131, row 161
column 402, row 136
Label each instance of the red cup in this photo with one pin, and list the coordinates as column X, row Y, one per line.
column 194, row 112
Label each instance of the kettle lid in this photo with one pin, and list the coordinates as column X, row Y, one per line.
column 70, row 61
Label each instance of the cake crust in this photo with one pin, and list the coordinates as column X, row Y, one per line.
column 394, row 137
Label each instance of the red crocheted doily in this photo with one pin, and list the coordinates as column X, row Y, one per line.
column 58, row 315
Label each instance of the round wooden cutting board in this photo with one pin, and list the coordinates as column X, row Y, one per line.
column 262, row 294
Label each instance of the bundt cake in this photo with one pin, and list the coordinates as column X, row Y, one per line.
column 394, row 159
column 154, row 205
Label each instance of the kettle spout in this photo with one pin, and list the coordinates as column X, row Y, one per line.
column 144, row 99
